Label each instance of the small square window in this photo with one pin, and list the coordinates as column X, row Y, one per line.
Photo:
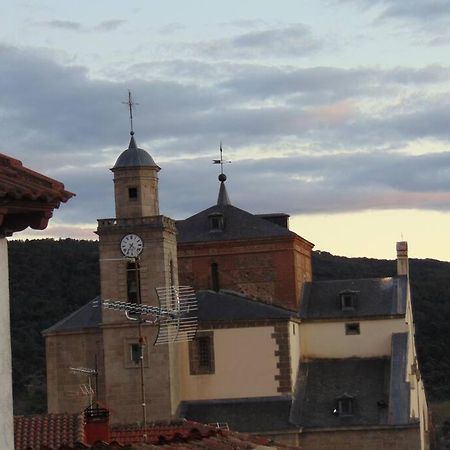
column 352, row 328
column 132, row 353
column 201, row 354
column 132, row 193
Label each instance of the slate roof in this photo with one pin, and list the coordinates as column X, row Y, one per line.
column 378, row 386
column 48, row 430
column 134, row 157
column 321, row 382
column 88, row 316
column 212, row 306
column 375, row 297
column 238, row 224
column 227, row 305
column 398, row 387
column 244, row 414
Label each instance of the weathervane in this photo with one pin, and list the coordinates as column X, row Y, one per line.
column 130, row 104
column 221, row 161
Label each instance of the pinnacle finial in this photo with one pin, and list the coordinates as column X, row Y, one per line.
column 130, row 104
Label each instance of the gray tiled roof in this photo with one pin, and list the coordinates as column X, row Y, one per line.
column 243, row 414
column 321, row 382
column 375, row 297
column 226, row 305
column 378, row 386
column 134, row 157
column 398, row 387
column 212, row 306
column 238, row 224
column 88, row 316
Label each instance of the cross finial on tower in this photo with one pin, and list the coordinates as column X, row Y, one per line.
column 221, row 162
column 130, row 104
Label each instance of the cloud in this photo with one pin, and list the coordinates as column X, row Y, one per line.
column 331, row 128
column 68, row 25
column 109, row 25
column 291, row 41
column 64, row 25
column 428, row 16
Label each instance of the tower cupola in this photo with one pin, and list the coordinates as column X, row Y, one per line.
column 135, row 183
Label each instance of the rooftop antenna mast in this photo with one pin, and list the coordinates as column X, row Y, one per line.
column 130, row 104
column 87, row 390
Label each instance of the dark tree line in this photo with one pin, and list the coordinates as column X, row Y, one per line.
column 50, row 279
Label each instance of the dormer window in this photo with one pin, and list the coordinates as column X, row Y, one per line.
column 216, row 222
column 345, row 405
column 349, row 300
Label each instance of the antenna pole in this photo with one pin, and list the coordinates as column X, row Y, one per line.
column 141, row 343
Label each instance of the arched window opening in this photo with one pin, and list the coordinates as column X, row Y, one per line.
column 133, row 283
column 215, row 277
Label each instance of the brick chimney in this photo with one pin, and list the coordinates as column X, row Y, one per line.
column 96, row 425
column 402, row 258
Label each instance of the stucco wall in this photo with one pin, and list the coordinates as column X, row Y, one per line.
column 294, row 346
column 245, row 366
column 328, row 339
column 6, row 403
column 382, row 439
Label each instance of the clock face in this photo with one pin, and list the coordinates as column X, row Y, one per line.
column 131, row 245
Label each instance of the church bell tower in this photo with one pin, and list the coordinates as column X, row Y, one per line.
column 138, row 253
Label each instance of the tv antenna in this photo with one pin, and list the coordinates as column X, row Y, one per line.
column 175, row 317
column 86, row 389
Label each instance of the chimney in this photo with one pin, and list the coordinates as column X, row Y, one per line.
column 96, row 425
column 402, row 258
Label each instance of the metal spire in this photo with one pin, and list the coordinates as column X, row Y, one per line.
column 223, row 198
column 130, row 104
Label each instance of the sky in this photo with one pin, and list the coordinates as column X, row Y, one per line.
column 336, row 112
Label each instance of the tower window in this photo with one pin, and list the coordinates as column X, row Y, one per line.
column 133, row 283
column 348, row 300
column 352, row 328
column 135, row 353
column 201, row 354
column 132, row 193
column 215, row 277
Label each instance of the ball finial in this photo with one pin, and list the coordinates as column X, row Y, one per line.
column 222, row 177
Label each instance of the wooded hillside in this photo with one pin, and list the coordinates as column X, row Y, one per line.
column 50, row 279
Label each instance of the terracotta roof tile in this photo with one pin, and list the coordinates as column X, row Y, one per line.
column 65, row 432
column 48, row 431
column 17, row 182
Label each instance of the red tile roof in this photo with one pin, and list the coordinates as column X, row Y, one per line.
column 27, row 198
column 48, row 431
column 18, row 182
column 65, row 432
